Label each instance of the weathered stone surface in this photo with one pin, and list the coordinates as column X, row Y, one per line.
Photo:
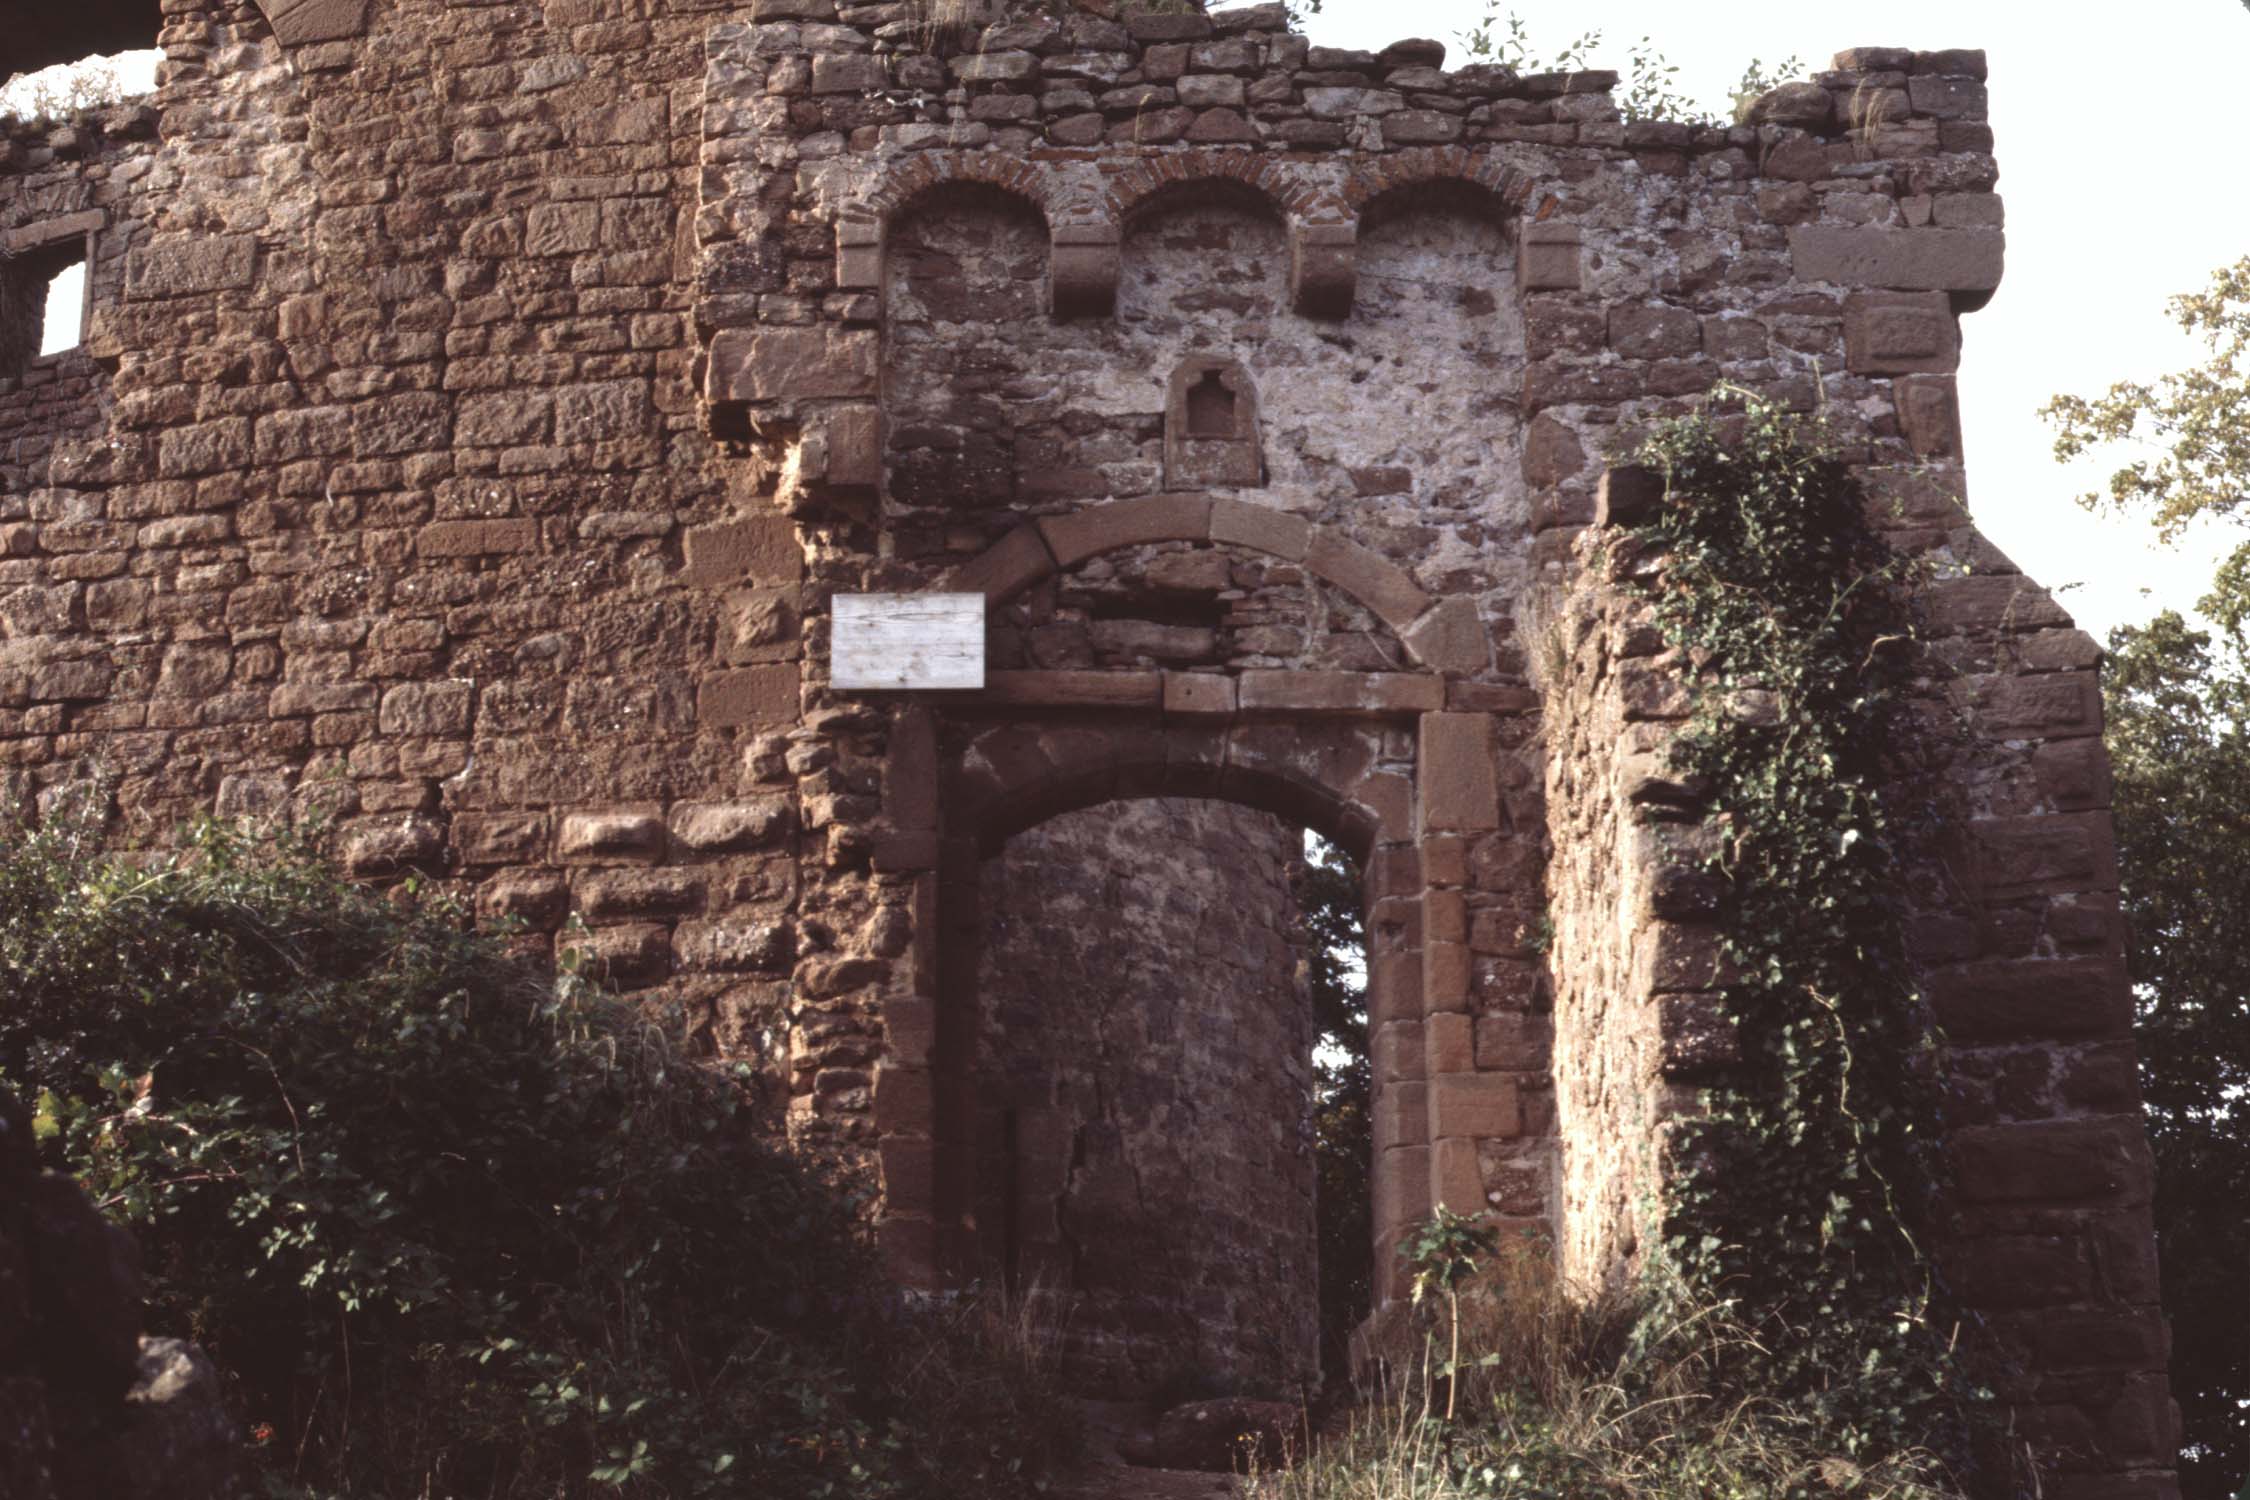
column 1900, row 333
column 786, row 364
column 182, row 265
column 1951, row 260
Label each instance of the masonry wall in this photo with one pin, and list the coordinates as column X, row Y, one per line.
column 1145, row 1084
column 483, row 404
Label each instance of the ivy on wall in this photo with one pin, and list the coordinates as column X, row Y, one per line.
column 1802, row 1195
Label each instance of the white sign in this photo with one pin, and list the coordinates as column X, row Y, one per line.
column 907, row 641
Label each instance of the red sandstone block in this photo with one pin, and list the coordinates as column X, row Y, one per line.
column 786, row 364
column 1402, row 1116
column 1449, row 1044
column 1459, row 773
column 594, row 838
column 1073, row 689
column 1260, row 528
column 1929, row 413
column 538, row 897
column 1671, row 957
column 748, row 695
column 910, row 1029
column 1521, row 1042
column 2054, row 851
column 1447, row 970
column 755, row 550
column 905, row 1100
column 1900, row 333
column 478, row 538
column 1401, row 1187
column 1445, row 916
column 1199, row 695
column 909, row 1163
column 1696, row 1034
column 1991, row 601
column 427, row 708
column 2031, row 999
column 1341, row 692
column 2089, row 1162
column 1451, row 637
column 611, row 895
column 909, row 1248
column 1908, row 260
column 1395, row 1050
column 2021, row 1270
column 1012, row 564
column 2041, row 705
column 1480, row 1106
column 1456, row 1177
column 499, row 838
column 1547, row 260
column 1367, row 577
column 630, row 956
column 1096, row 529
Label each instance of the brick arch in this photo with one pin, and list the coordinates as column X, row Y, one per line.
column 1510, row 189
column 929, row 173
column 1440, row 635
column 1293, row 198
column 1082, row 250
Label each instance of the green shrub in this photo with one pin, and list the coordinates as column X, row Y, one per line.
column 456, row 1227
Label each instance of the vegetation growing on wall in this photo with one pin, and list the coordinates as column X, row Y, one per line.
column 452, row 1227
column 1801, row 1198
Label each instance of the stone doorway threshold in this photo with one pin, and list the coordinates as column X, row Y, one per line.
column 1113, row 1428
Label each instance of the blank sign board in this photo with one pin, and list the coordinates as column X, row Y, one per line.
column 907, row 641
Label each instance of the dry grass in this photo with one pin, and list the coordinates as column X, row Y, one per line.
column 1564, row 1394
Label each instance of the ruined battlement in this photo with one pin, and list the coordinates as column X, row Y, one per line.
column 480, row 406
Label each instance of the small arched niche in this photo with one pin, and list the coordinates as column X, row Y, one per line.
column 1211, row 427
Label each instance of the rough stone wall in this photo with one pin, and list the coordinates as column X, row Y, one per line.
column 1145, row 1084
column 483, row 403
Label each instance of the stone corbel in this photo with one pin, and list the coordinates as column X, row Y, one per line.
column 1083, row 269
column 859, row 255
column 1547, row 258
column 1323, row 268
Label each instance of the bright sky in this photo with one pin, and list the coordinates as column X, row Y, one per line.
column 2119, row 149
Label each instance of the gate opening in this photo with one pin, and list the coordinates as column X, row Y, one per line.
column 1173, row 1137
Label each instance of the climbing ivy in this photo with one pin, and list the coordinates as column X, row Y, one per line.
column 1802, row 1196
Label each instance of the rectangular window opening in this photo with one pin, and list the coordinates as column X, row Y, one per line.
column 63, row 320
column 43, row 300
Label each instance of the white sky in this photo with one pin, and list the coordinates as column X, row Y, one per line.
column 2120, row 148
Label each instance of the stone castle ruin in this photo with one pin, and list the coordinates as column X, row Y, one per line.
column 480, row 405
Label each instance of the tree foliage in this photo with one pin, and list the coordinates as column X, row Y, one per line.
column 1328, row 893
column 449, row 1225
column 2179, row 741
column 2178, row 730
column 2185, row 436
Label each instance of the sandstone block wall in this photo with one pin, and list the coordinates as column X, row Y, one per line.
column 483, row 403
column 1145, row 1154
